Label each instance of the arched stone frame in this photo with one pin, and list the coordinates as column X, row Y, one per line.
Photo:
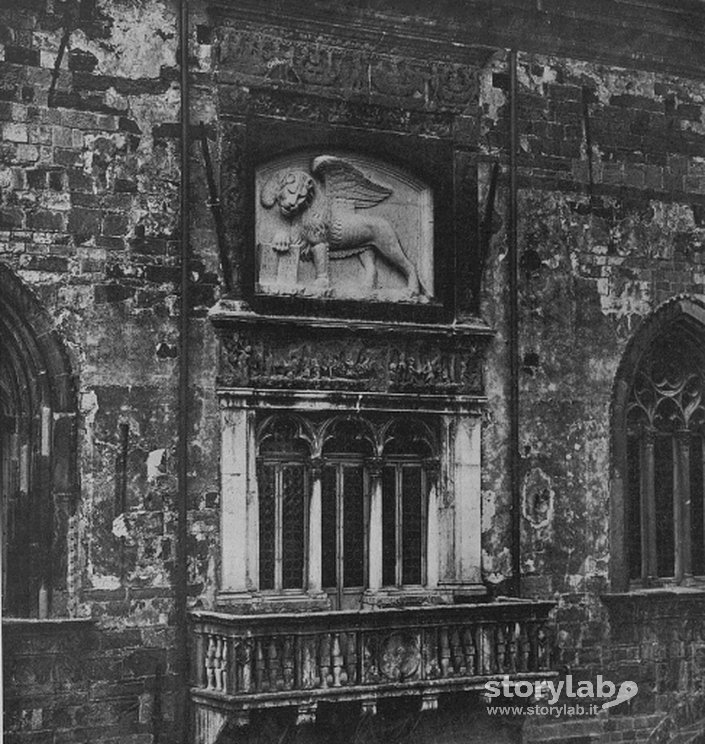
column 40, row 476
column 689, row 314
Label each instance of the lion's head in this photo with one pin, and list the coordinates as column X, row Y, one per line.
column 292, row 190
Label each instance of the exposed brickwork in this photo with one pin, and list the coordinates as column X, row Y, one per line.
column 88, row 220
column 612, row 223
column 72, row 682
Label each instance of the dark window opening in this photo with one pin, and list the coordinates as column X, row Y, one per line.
column 665, row 509
column 351, row 473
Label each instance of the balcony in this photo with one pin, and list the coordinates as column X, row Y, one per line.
column 247, row 662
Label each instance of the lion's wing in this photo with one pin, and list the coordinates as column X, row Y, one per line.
column 344, row 181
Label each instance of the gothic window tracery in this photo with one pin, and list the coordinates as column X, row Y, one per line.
column 665, row 453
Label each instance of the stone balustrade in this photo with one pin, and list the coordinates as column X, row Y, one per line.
column 245, row 662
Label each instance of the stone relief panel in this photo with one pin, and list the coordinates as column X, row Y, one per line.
column 259, row 55
column 264, row 359
column 343, row 226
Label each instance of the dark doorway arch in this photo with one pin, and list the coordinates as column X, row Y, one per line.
column 648, row 445
column 38, row 475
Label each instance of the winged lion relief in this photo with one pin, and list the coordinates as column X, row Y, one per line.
column 342, row 227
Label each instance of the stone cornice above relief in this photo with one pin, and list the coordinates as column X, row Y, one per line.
column 354, row 357
column 227, row 312
column 651, row 35
column 326, row 400
column 381, row 34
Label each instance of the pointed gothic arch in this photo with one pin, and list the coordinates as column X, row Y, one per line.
column 38, row 474
column 657, row 450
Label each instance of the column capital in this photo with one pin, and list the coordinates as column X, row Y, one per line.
column 316, row 466
column 375, row 466
column 683, row 436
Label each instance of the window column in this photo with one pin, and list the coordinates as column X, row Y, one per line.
column 466, row 475
column 432, row 526
column 681, row 506
column 374, row 565
column 315, row 566
column 648, row 506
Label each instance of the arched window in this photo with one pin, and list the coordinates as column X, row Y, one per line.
column 345, row 510
column 405, row 485
column 343, row 505
column 659, row 450
column 284, row 485
column 37, row 453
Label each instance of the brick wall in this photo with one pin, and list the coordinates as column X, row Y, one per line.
column 612, row 222
column 89, row 194
column 71, row 681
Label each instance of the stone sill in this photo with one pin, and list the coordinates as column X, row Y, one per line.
column 58, row 623
column 505, row 609
column 643, row 594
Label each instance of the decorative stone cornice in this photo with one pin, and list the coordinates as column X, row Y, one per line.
column 288, row 353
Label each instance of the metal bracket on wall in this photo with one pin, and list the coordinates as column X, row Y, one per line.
column 214, row 204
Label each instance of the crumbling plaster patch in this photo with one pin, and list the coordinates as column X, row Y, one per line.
column 142, row 39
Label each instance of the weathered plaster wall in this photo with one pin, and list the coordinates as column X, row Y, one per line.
column 612, row 221
column 89, row 221
column 610, row 226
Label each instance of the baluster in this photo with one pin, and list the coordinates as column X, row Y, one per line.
column 533, row 648
column 367, row 645
column 288, row 662
column 434, row 661
column 221, row 664
column 485, row 635
column 227, row 650
column 309, row 675
column 273, row 665
column 216, row 661
column 457, row 652
column 299, row 671
column 524, row 649
column 445, row 652
column 513, row 632
column 259, row 665
column 336, row 659
column 200, row 654
column 210, row 663
column 324, row 658
column 469, row 648
column 245, row 665
column 542, row 638
column 351, row 658
column 500, row 648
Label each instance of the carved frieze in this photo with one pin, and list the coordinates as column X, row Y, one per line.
column 248, row 361
column 267, row 55
column 296, row 106
column 347, row 227
column 271, row 359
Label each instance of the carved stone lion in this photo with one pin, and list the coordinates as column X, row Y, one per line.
column 324, row 215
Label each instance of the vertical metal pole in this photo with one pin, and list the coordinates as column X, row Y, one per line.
column 181, row 577
column 515, row 475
